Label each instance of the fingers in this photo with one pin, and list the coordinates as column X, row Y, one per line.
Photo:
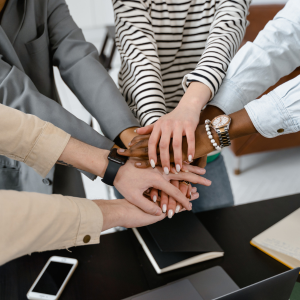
column 172, row 191
column 146, row 205
column 154, row 195
column 135, row 151
column 177, row 148
column 183, row 188
column 164, row 200
column 143, row 164
column 145, row 130
column 190, row 177
column 139, row 138
column 193, row 169
column 172, row 202
column 190, row 137
column 152, row 146
column 164, row 148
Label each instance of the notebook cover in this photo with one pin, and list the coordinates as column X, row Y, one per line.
column 183, row 233
column 204, row 242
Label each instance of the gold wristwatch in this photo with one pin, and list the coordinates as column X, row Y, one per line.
column 221, row 125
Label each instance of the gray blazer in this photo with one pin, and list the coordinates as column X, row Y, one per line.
column 36, row 35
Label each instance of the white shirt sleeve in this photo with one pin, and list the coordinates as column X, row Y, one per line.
column 257, row 66
column 278, row 112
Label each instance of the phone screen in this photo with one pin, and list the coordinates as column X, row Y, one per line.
column 53, row 278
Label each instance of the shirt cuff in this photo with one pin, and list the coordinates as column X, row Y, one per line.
column 47, row 149
column 91, row 222
column 206, row 76
column 270, row 117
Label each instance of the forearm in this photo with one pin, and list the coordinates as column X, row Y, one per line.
column 196, row 96
column 84, row 157
column 241, row 125
column 31, row 222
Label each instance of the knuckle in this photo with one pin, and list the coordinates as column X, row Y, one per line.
column 176, row 143
column 163, row 146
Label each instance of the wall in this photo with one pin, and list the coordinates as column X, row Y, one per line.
column 97, row 13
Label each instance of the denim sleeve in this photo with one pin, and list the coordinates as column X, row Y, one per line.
column 259, row 65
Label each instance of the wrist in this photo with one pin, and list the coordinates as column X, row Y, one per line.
column 203, row 143
column 112, row 211
column 197, row 95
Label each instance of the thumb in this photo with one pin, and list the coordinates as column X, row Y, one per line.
column 145, row 130
column 147, row 206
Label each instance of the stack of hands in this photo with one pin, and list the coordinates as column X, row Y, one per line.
column 169, row 147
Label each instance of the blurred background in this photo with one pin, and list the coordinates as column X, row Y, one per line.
column 258, row 168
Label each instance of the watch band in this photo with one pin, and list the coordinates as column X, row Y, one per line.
column 115, row 162
column 111, row 172
column 223, row 137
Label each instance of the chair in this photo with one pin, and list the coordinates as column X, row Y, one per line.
column 109, row 38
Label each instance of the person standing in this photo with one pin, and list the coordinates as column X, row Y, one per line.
column 175, row 55
column 35, row 36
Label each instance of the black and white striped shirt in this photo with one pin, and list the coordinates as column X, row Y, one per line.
column 166, row 44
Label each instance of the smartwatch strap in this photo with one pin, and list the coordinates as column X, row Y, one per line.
column 111, row 172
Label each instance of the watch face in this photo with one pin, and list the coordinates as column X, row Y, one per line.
column 220, row 121
column 115, row 157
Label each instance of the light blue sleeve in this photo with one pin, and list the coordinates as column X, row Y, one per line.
column 259, row 65
column 278, row 112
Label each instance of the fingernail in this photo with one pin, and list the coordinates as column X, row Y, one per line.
column 138, row 164
column 154, row 198
column 190, row 158
column 166, row 170
column 191, row 206
column 134, row 130
column 170, row 213
column 177, row 209
column 129, row 144
column 186, row 171
column 190, row 195
column 178, row 168
column 121, row 150
column 164, row 209
column 152, row 163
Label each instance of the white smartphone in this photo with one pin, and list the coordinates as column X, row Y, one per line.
column 53, row 278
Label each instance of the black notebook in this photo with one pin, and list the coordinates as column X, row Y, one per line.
column 178, row 242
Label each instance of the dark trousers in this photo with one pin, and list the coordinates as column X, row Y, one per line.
column 68, row 182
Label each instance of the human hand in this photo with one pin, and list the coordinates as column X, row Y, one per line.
column 132, row 183
column 182, row 121
column 122, row 213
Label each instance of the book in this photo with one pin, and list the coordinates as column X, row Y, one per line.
column 282, row 240
column 178, row 242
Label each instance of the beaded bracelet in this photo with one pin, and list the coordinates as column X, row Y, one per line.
column 209, row 134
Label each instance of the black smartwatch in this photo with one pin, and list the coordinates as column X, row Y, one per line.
column 115, row 162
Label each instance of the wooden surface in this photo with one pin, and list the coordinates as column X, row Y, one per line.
column 118, row 267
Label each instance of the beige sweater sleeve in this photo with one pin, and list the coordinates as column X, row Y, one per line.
column 31, row 222
column 28, row 139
